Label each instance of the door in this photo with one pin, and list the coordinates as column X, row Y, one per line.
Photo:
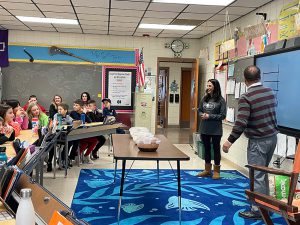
column 163, row 84
column 194, row 97
column 185, row 98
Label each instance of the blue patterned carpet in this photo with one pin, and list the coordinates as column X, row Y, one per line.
column 204, row 201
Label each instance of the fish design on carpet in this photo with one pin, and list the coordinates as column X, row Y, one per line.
column 239, row 203
column 231, row 176
column 194, row 222
column 192, row 173
column 186, row 204
column 131, row 207
column 244, row 185
column 97, row 183
column 88, row 210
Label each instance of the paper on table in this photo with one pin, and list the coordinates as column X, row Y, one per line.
column 281, row 145
column 243, row 88
column 230, row 86
column 230, row 115
column 291, row 146
column 237, row 90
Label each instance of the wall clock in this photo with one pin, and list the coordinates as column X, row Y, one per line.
column 177, row 46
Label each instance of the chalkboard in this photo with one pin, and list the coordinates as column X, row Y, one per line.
column 239, row 67
column 20, row 80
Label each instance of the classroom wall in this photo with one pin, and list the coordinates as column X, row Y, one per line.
column 153, row 47
column 237, row 152
column 174, row 74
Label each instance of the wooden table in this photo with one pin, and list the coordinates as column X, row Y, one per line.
column 6, row 222
column 126, row 149
column 90, row 130
column 25, row 135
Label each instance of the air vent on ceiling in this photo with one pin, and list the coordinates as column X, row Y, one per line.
column 186, row 22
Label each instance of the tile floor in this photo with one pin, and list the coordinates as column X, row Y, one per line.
column 64, row 188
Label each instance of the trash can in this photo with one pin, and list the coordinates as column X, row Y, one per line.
column 201, row 150
column 196, row 139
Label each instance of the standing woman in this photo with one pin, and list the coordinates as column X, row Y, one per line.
column 85, row 97
column 212, row 111
column 57, row 99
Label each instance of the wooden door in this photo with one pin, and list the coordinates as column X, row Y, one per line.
column 163, row 84
column 185, row 98
column 194, row 97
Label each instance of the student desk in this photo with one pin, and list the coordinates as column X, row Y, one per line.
column 6, row 222
column 126, row 149
column 89, row 130
column 25, row 135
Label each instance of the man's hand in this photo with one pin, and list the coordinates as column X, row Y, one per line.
column 226, row 146
column 204, row 116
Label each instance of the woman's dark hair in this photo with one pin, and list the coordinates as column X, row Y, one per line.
column 216, row 95
column 13, row 103
column 3, row 110
column 88, row 96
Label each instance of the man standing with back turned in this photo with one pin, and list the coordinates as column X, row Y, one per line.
column 256, row 117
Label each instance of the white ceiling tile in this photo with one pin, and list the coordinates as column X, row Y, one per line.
column 60, row 15
column 166, row 7
column 122, row 33
column 145, row 31
column 11, row 22
column 204, row 29
column 129, row 29
column 252, row 3
column 128, row 5
column 55, row 8
column 151, row 34
column 89, row 10
column 38, row 24
column 63, row 30
column 135, row 0
column 153, row 14
column 194, row 16
column 96, row 27
column 221, row 17
column 3, row 12
column 91, row 3
column 92, row 17
column 156, row 20
column 43, row 28
column 53, row 2
column 203, row 9
column 15, row 27
column 25, row 1
column 22, row 6
column 126, row 12
column 120, row 24
column 93, row 22
column 87, row 31
column 128, row 19
column 36, row 13
column 170, row 35
column 237, row 10
column 67, row 26
column 182, row 32
column 193, row 36
column 2, row 18
column 214, row 23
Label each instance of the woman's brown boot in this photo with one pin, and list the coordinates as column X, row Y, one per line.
column 206, row 172
column 216, row 175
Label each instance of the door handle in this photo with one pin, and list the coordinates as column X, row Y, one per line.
column 194, row 109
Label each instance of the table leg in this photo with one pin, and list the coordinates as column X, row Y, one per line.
column 116, row 166
column 42, row 172
column 66, row 157
column 121, row 189
column 157, row 171
column 54, row 163
column 179, row 189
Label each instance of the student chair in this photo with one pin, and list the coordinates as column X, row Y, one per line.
column 290, row 209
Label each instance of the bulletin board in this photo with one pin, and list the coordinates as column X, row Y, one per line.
column 119, row 85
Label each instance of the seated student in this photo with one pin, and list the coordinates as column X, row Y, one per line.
column 96, row 116
column 33, row 99
column 7, row 133
column 85, row 97
column 34, row 111
column 87, row 143
column 6, row 112
column 21, row 116
column 108, row 111
column 53, row 109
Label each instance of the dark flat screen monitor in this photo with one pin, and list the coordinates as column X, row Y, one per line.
column 280, row 71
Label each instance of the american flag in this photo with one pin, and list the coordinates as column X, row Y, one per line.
column 141, row 73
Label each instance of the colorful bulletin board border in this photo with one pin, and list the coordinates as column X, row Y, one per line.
column 105, row 86
column 101, row 56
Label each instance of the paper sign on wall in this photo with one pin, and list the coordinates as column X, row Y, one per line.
column 255, row 31
column 227, row 45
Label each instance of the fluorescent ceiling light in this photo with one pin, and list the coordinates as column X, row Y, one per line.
column 166, row 27
column 47, row 20
column 197, row 2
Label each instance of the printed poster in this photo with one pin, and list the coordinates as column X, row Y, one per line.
column 119, row 88
column 286, row 21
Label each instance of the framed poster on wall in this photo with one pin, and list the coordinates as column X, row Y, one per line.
column 119, row 85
